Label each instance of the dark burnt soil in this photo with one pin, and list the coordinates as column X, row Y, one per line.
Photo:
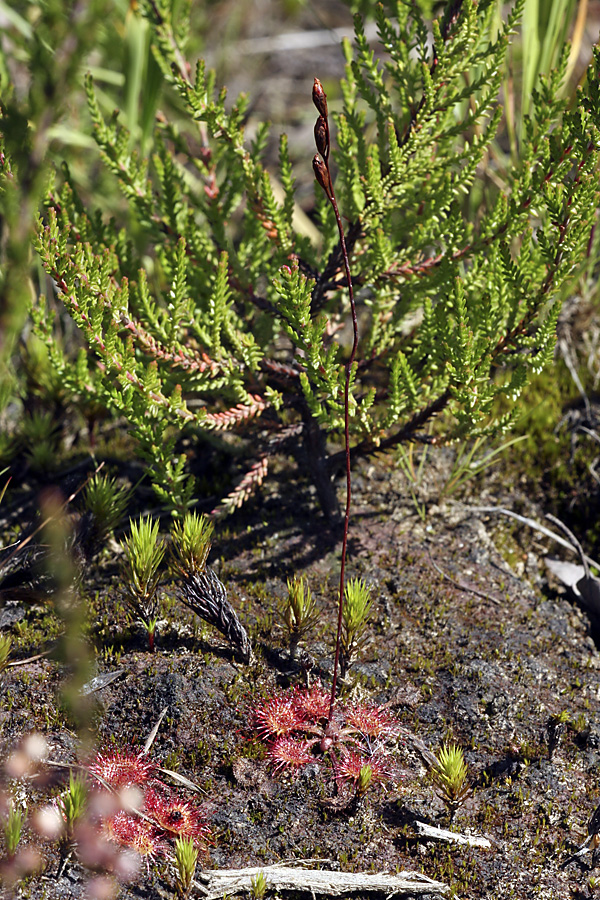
column 486, row 665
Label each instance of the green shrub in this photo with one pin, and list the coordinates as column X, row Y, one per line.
column 356, row 608
column 221, row 316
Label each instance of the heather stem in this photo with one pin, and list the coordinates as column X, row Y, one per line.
column 323, row 176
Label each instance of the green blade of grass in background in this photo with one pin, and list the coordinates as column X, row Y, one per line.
column 12, row 17
column 136, row 59
column 531, row 53
column 143, row 80
column 545, row 30
column 558, row 17
column 577, row 37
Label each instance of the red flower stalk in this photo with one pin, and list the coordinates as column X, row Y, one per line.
column 290, row 752
column 178, row 817
column 121, row 769
column 323, row 176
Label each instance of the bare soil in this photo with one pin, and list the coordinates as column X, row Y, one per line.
column 483, row 660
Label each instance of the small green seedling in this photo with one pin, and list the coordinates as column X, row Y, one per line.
column 5, row 645
column 186, row 857
column 299, row 612
column 39, row 427
column 40, row 436
column 365, row 779
column 144, row 553
column 355, row 617
column 107, row 501
column 13, row 826
column 41, row 457
column 191, row 542
column 258, row 886
column 450, row 777
column 72, row 802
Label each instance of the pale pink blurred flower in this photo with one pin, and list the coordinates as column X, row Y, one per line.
column 48, row 822
column 101, row 887
column 18, row 765
column 35, row 746
column 127, row 865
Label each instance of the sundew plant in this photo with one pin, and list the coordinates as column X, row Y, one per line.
column 221, row 316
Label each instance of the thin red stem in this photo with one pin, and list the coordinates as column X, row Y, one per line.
column 323, row 176
column 347, row 443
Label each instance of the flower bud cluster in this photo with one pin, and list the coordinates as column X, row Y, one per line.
column 321, row 163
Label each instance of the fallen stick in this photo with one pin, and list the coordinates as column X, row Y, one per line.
column 536, row 527
column 214, row 885
column 442, row 834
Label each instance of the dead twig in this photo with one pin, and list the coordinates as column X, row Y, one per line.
column 216, row 884
column 30, row 659
column 573, row 541
column 536, row 526
column 152, row 736
column 442, row 834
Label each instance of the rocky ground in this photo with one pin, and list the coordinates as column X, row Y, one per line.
column 482, row 655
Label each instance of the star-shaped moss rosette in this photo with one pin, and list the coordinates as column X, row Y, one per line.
column 358, row 745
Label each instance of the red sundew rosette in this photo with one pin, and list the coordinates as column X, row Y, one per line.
column 122, row 769
column 180, row 818
column 289, row 752
column 278, row 716
column 138, row 835
column 313, row 704
column 371, row 721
